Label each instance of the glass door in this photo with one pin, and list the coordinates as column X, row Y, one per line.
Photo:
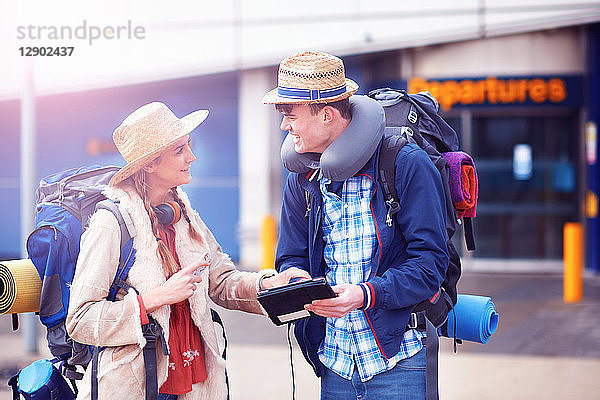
column 527, row 166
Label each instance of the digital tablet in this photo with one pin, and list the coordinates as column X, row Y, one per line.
column 285, row 304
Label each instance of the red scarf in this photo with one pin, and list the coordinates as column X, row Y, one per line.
column 186, row 358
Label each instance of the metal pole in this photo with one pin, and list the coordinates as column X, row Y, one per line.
column 573, row 262
column 28, row 175
column 268, row 241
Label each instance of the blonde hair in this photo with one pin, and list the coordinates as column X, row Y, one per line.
column 168, row 261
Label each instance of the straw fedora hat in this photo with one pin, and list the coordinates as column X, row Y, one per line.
column 311, row 77
column 148, row 131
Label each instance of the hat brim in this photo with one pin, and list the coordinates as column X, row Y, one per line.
column 188, row 124
column 273, row 97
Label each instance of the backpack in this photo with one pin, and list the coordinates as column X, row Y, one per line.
column 414, row 118
column 41, row 380
column 65, row 202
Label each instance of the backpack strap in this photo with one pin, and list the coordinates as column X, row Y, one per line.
column 13, row 383
column 431, row 365
column 419, row 321
column 469, row 237
column 124, row 220
column 127, row 256
column 94, row 373
column 392, row 143
column 430, row 324
column 216, row 318
column 70, row 372
column 395, row 139
column 152, row 330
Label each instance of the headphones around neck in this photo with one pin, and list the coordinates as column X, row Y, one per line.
column 167, row 213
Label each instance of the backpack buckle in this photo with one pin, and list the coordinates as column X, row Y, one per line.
column 412, row 116
column 393, row 208
column 151, row 330
column 407, row 132
column 413, row 322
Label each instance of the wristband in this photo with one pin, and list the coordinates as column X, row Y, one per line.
column 260, row 286
column 365, row 297
column 143, row 313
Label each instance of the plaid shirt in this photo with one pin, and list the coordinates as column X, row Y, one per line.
column 351, row 242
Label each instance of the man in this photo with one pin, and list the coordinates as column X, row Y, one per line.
column 359, row 343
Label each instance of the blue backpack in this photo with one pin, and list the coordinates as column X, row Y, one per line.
column 64, row 204
column 41, row 381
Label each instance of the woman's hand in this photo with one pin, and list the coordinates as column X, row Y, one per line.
column 180, row 286
column 284, row 277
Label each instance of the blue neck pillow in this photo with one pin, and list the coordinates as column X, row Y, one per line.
column 350, row 151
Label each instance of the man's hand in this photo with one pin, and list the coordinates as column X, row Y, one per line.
column 350, row 297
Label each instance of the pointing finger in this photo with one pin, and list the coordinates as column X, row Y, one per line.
column 189, row 269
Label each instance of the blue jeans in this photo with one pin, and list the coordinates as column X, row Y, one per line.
column 165, row 396
column 406, row 381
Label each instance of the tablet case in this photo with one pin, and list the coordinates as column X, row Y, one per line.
column 285, row 304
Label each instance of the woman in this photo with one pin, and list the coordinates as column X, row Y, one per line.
column 178, row 266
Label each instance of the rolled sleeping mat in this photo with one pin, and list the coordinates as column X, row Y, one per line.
column 475, row 318
column 20, row 287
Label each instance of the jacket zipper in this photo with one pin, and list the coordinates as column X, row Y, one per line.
column 45, row 227
column 316, row 227
column 317, row 223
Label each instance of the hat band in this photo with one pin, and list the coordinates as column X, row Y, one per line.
column 310, row 94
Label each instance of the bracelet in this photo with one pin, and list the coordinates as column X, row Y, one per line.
column 260, row 286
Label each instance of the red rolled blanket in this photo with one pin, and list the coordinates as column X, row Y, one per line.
column 463, row 182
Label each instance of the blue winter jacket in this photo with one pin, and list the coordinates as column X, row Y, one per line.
column 411, row 259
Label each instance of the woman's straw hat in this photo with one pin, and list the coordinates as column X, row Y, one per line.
column 147, row 132
column 311, row 77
